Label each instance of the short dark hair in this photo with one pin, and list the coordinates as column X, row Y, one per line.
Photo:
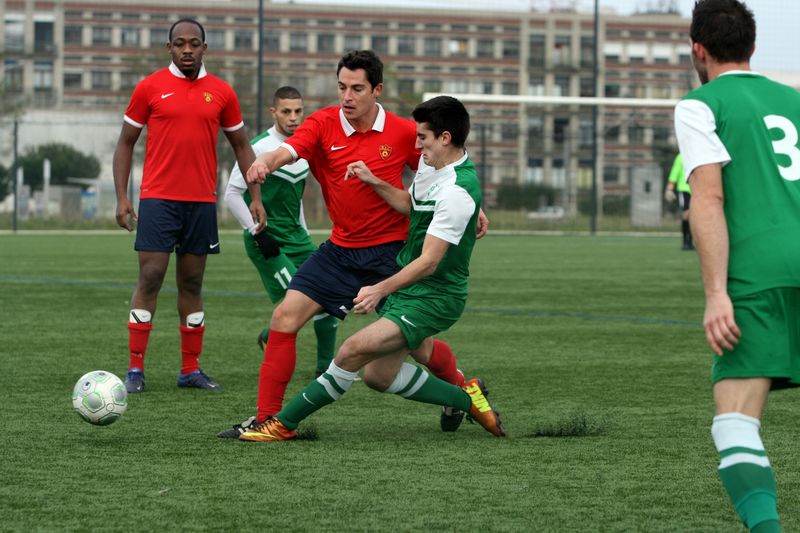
column 726, row 28
column 444, row 113
column 191, row 21
column 286, row 93
column 366, row 59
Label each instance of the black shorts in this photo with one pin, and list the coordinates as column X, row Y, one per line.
column 683, row 200
column 333, row 275
column 185, row 227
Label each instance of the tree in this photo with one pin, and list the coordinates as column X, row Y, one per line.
column 65, row 162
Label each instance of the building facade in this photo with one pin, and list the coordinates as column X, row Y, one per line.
column 86, row 56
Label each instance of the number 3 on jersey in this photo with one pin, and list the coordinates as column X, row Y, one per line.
column 786, row 146
column 283, row 277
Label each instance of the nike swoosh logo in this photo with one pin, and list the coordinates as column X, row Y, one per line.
column 407, row 321
column 166, row 95
column 309, row 401
column 334, row 147
column 212, row 246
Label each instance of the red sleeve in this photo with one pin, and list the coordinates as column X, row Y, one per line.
column 231, row 113
column 306, row 137
column 139, row 106
column 414, row 155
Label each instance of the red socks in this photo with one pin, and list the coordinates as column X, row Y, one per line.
column 138, row 335
column 191, row 346
column 280, row 357
column 442, row 364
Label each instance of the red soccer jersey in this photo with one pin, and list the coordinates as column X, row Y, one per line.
column 329, row 143
column 183, row 118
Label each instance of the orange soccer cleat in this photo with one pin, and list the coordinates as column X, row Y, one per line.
column 481, row 411
column 271, row 430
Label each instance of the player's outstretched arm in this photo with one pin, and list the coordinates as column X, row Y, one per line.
column 433, row 250
column 710, row 232
column 123, row 157
column 399, row 199
column 267, row 163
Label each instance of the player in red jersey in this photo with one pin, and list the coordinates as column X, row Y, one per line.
column 367, row 233
column 183, row 108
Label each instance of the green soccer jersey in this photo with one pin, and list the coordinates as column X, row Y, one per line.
column 282, row 194
column 757, row 121
column 677, row 176
column 445, row 204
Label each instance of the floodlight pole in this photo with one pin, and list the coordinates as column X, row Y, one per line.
column 260, row 68
column 13, row 174
column 595, row 77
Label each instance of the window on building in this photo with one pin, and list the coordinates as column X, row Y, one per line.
column 73, row 80
column 128, row 80
column 14, row 33
column 560, row 130
column 536, row 85
column 585, row 132
column 101, row 79
column 536, row 53
column 101, row 36
column 73, row 35
column 635, row 134
column 433, row 47
column 272, row 41
column 587, row 86
column 243, row 40
column 610, row 174
column 612, row 133
column 215, row 39
column 562, row 50
column 298, row 42
column 325, row 43
column 456, row 86
column 661, row 134
column 380, row 44
column 405, row 87
column 158, row 37
column 406, row 45
column 353, row 41
column 561, row 86
column 43, row 36
column 432, row 86
column 485, row 47
column 299, row 82
column 458, row 47
column 12, row 79
column 612, row 90
column 510, row 87
column 587, row 51
column 509, row 131
column 535, row 134
column 129, row 37
column 510, row 48
column 486, row 87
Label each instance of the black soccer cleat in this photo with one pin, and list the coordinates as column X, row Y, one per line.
column 237, row 429
column 451, row 419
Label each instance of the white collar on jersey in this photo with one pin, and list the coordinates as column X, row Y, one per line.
column 750, row 72
column 273, row 132
column 378, row 125
column 178, row 74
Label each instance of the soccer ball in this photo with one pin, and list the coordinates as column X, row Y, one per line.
column 99, row 398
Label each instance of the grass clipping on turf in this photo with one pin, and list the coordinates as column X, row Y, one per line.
column 573, row 425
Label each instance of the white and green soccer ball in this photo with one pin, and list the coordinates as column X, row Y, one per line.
column 99, row 398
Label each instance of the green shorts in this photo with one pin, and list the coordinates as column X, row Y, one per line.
column 770, row 343
column 276, row 273
column 421, row 313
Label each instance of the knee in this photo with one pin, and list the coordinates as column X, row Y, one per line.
column 285, row 320
column 377, row 381
column 150, row 278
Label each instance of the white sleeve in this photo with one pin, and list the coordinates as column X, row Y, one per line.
column 234, row 200
column 452, row 215
column 696, row 131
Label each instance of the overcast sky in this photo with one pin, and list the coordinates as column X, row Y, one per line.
column 776, row 44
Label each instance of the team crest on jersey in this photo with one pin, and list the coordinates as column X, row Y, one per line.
column 385, row 150
column 208, row 97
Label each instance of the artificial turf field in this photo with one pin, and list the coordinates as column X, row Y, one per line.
column 591, row 347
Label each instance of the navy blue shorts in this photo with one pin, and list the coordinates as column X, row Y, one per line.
column 333, row 275
column 185, row 227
